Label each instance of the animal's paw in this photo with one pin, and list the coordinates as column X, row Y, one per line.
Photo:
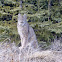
column 21, row 48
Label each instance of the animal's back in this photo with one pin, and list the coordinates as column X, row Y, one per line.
column 32, row 37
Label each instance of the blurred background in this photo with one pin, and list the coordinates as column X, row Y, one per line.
column 45, row 16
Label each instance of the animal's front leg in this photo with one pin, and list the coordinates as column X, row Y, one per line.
column 25, row 41
column 21, row 44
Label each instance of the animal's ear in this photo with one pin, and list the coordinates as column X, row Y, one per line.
column 25, row 17
column 19, row 15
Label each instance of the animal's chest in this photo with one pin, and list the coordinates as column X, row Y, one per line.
column 22, row 30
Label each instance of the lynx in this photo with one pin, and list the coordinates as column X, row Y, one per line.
column 26, row 32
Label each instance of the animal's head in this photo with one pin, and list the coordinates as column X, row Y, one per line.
column 21, row 18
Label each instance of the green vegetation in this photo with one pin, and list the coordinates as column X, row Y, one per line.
column 43, row 15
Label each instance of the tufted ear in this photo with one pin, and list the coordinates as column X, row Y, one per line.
column 20, row 17
column 25, row 17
